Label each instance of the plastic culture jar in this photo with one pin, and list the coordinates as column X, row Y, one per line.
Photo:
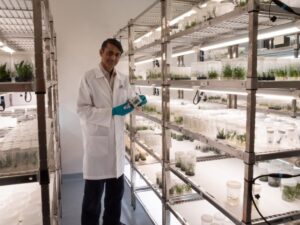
column 270, row 135
column 206, row 219
column 178, row 156
column 219, row 218
column 159, row 179
column 262, row 170
column 296, row 172
column 233, row 192
column 190, row 164
column 289, row 188
column 183, row 162
column 274, row 167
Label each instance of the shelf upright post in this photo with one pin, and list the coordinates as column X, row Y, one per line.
column 40, row 93
column 251, row 88
column 296, row 46
column 132, row 115
column 48, row 74
column 166, row 52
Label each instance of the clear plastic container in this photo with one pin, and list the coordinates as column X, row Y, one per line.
column 233, row 192
column 270, row 135
column 178, row 156
column 219, row 218
column 206, row 219
column 289, row 189
column 190, row 163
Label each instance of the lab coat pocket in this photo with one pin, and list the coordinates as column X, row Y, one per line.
column 97, row 146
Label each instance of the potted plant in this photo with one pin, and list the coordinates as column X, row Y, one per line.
column 221, row 134
column 281, row 74
column 4, row 73
column 213, row 74
column 238, row 73
column 24, row 72
column 227, row 72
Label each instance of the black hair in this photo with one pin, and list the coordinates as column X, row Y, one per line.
column 114, row 42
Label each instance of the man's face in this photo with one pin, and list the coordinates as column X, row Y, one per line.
column 110, row 56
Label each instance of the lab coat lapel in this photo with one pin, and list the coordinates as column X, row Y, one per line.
column 118, row 85
column 108, row 92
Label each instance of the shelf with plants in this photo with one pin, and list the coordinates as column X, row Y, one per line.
column 31, row 148
column 229, row 137
column 231, row 169
column 243, row 134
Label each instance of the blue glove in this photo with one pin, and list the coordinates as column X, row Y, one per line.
column 144, row 100
column 122, row 110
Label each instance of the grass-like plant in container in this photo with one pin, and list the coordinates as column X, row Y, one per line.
column 281, row 74
column 5, row 74
column 238, row 73
column 294, row 73
column 227, row 72
column 24, row 72
column 213, row 74
column 221, row 134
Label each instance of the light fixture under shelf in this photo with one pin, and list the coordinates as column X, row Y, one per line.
column 7, row 49
column 284, row 29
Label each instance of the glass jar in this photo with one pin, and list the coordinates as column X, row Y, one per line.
column 206, row 219
column 178, row 156
column 159, row 179
column 289, row 188
column 190, row 165
column 274, row 167
column 296, row 172
column 219, row 218
column 233, row 192
column 183, row 162
column 270, row 135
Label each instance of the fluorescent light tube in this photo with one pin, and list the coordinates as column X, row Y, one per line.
column 262, row 35
column 172, row 22
column 159, row 58
column 181, row 17
column 183, row 53
column 7, row 49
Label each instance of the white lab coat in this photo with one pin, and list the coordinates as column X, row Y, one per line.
column 103, row 134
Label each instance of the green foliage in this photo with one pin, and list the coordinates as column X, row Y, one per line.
column 239, row 73
column 227, row 71
column 221, row 134
column 288, row 193
column 153, row 75
column 294, row 73
column 4, row 73
column 178, row 119
column 24, row 71
column 282, row 73
column 212, row 74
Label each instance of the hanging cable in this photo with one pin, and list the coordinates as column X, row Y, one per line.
column 283, row 6
column 25, row 97
column 197, row 97
column 257, row 196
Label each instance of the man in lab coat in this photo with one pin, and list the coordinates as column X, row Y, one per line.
column 101, row 105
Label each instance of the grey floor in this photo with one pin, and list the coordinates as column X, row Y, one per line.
column 72, row 193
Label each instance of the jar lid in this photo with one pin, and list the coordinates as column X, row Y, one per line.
column 206, row 218
column 289, row 182
column 233, row 184
column 219, row 217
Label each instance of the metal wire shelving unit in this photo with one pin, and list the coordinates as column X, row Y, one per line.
column 246, row 21
column 27, row 26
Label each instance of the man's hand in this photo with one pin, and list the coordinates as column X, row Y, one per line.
column 144, row 100
column 122, row 110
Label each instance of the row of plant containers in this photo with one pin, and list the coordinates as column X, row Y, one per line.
column 23, row 72
column 267, row 69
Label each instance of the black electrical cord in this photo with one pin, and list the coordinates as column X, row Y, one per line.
column 25, row 97
column 257, row 196
column 197, row 98
column 283, row 6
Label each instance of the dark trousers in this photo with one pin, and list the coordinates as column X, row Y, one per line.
column 91, row 205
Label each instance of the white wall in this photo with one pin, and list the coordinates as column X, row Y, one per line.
column 81, row 27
